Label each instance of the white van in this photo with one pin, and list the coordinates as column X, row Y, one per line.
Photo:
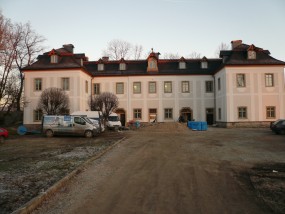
column 67, row 125
column 95, row 117
column 113, row 121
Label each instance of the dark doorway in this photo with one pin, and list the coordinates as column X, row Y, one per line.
column 210, row 116
column 186, row 113
column 122, row 116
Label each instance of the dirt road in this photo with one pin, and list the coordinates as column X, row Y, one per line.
column 167, row 168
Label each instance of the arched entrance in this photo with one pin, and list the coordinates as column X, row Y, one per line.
column 186, row 113
column 122, row 115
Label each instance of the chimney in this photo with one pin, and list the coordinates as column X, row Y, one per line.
column 68, row 47
column 105, row 58
column 236, row 43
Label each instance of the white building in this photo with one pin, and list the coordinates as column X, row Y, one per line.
column 245, row 86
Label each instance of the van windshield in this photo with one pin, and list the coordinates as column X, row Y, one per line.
column 113, row 118
column 87, row 120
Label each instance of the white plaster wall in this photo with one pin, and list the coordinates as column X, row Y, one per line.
column 198, row 100
column 77, row 94
column 255, row 96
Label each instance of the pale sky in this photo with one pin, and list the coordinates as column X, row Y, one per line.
column 168, row 26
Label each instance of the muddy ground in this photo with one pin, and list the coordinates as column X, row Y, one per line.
column 229, row 170
column 167, row 168
column 30, row 164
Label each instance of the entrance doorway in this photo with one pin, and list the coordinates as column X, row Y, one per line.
column 186, row 114
column 122, row 116
column 152, row 113
column 210, row 116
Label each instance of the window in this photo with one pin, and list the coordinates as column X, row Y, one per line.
column 269, row 82
column 219, row 83
column 204, row 65
column 152, row 64
column 242, row 112
column 100, row 67
column 240, row 80
column 38, row 84
column 182, row 65
column 137, row 114
column 38, row 115
column 209, row 86
column 122, row 66
column 53, row 59
column 168, row 87
column 185, row 86
column 220, row 113
column 65, row 84
column 137, row 87
column 270, row 112
column 79, row 120
column 152, row 87
column 96, row 87
column 251, row 55
column 86, row 86
column 119, row 88
column 168, row 113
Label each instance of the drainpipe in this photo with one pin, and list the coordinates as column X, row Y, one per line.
column 215, row 101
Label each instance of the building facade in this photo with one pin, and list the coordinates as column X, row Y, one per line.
column 244, row 87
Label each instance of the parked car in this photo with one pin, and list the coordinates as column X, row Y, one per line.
column 114, row 121
column 68, row 125
column 278, row 126
column 3, row 134
column 94, row 116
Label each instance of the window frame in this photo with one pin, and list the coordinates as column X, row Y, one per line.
column 65, row 83
column 122, row 66
column 166, row 90
column 117, row 84
column 137, row 113
column 96, row 88
column 38, row 86
column 211, row 86
column 270, row 112
column 137, row 90
column 242, row 114
column 100, row 67
column 37, row 115
column 271, row 79
column 86, row 86
column 182, row 87
column 243, row 83
column 182, row 65
column 204, row 64
column 149, row 87
column 168, row 113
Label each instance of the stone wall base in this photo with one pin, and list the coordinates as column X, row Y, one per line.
column 250, row 124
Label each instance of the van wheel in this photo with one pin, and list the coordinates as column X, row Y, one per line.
column 88, row 134
column 49, row 133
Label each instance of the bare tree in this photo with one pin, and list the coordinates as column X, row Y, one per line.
column 137, row 51
column 171, row 56
column 19, row 47
column 106, row 102
column 53, row 101
column 28, row 44
column 222, row 46
column 118, row 49
column 194, row 55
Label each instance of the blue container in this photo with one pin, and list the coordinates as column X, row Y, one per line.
column 204, row 126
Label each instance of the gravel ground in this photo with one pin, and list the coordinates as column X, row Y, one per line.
column 31, row 164
column 167, row 168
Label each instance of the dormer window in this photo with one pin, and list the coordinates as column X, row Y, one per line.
column 182, row 65
column 122, row 66
column 54, row 59
column 204, row 65
column 100, row 67
column 251, row 54
column 152, row 61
